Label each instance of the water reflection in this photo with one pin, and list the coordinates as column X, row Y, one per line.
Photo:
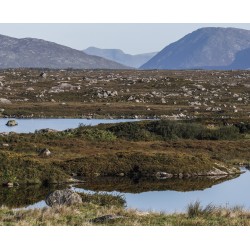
column 23, row 196
column 144, row 194
column 139, row 185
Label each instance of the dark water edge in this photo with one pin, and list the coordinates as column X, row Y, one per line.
column 168, row 195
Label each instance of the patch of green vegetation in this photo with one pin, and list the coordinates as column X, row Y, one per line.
column 172, row 130
column 137, row 164
column 94, row 134
column 24, row 195
column 104, row 199
column 18, row 168
column 132, row 131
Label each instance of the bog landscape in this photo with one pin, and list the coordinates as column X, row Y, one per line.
column 101, row 137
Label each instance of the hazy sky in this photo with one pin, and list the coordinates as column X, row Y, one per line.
column 131, row 38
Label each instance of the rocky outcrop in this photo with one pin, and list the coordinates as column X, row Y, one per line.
column 11, row 123
column 63, row 197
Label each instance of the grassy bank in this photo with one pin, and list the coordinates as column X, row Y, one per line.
column 87, row 214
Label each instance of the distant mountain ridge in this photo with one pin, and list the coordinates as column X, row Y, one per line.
column 38, row 53
column 119, row 56
column 205, row 48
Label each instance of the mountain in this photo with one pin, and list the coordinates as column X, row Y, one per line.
column 37, row 53
column 204, row 48
column 242, row 60
column 119, row 56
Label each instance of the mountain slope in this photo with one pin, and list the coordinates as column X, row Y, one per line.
column 37, row 53
column 119, row 56
column 242, row 60
column 205, row 47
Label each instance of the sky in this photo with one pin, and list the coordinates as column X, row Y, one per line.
column 131, row 38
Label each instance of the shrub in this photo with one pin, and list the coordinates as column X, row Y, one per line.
column 95, row 134
column 131, row 131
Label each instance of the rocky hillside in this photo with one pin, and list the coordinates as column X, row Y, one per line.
column 37, row 53
column 211, row 48
column 119, row 56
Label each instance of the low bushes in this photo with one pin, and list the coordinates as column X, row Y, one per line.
column 171, row 130
column 95, row 134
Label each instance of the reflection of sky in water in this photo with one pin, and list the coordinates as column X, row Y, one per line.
column 30, row 125
column 229, row 193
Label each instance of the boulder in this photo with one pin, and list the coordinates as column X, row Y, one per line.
column 63, row 197
column 43, row 75
column 11, row 123
column 5, row 101
column 45, row 152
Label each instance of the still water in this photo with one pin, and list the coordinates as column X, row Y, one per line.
column 30, row 125
column 218, row 192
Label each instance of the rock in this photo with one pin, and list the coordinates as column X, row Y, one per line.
column 217, row 171
column 43, row 75
column 5, row 101
column 106, row 218
column 30, row 89
column 105, row 95
column 180, row 175
column 8, row 184
column 11, row 123
column 114, row 93
column 100, row 95
column 45, row 152
column 5, row 145
column 63, row 197
column 163, row 175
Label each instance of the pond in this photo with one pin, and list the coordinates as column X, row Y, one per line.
column 31, row 125
column 169, row 195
